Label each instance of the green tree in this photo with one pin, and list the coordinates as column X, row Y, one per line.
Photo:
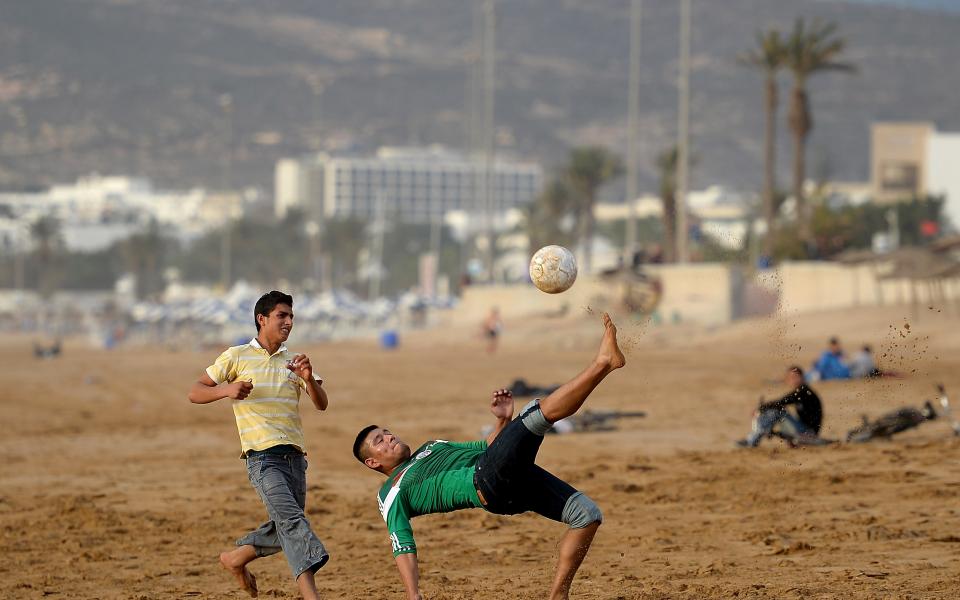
column 810, row 49
column 667, row 169
column 145, row 255
column 47, row 250
column 546, row 216
column 588, row 168
column 770, row 56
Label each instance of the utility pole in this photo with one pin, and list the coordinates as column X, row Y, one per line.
column 683, row 133
column 633, row 118
column 487, row 129
column 376, row 251
column 226, row 104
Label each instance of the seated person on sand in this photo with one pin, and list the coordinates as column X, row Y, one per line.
column 774, row 418
column 863, row 365
column 830, row 365
column 498, row 474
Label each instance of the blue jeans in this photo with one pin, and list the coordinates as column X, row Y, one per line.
column 777, row 421
column 281, row 482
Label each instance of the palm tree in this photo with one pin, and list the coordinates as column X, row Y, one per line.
column 47, row 241
column 667, row 167
column 546, row 216
column 770, row 56
column 810, row 49
column 588, row 168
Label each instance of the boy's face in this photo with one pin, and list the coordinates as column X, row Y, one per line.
column 278, row 324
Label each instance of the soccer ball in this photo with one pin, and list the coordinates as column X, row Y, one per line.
column 553, row 269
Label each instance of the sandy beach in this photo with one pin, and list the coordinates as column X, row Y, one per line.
column 113, row 486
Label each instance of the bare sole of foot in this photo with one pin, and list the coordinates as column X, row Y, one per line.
column 246, row 579
column 609, row 352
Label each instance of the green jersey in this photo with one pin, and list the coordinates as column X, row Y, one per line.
column 438, row 478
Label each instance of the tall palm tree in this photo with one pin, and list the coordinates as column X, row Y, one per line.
column 810, row 49
column 47, row 241
column 588, row 169
column 667, row 168
column 546, row 216
column 770, row 56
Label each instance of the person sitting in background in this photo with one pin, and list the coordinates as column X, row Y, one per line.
column 773, row 418
column 863, row 364
column 830, row 365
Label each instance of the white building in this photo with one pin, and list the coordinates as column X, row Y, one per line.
column 943, row 172
column 96, row 211
column 415, row 185
column 911, row 159
column 723, row 215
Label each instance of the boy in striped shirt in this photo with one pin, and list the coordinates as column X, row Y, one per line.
column 264, row 381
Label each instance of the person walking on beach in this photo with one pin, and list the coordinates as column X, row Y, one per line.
column 264, row 381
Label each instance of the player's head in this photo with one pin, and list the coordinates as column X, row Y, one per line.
column 274, row 314
column 379, row 449
column 834, row 344
column 794, row 376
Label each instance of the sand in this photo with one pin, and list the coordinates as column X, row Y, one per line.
column 112, row 485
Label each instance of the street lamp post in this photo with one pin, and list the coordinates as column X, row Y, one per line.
column 633, row 117
column 683, row 133
column 226, row 105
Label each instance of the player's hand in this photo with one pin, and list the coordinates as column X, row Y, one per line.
column 502, row 404
column 300, row 365
column 238, row 390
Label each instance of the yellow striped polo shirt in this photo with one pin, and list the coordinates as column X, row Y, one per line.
column 270, row 415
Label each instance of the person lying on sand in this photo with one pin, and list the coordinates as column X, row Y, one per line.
column 902, row 419
column 498, row 474
column 774, row 419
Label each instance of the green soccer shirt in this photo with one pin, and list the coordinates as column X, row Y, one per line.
column 438, row 478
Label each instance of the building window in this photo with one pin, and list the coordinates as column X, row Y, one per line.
column 899, row 177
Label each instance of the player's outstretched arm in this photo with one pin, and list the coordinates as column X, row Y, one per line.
column 502, row 409
column 410, row 574
column 206, row 390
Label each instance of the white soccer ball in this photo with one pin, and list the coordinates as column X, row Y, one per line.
column 553, row 269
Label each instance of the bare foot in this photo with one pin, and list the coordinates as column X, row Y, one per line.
column 609, row 354
column 247, row 580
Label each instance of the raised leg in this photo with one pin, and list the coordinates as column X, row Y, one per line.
column 569, row 397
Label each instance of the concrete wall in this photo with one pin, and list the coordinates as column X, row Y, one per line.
column 699, row 293
column 813, row 286
column 714, row 294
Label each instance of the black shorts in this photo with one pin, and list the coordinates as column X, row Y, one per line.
column 511, row 483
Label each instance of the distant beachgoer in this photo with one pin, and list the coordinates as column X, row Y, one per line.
column 774, row 419
column 498, row 474
column 265, row 380
column 863, row 365
column 492, row 327
column 830, row 365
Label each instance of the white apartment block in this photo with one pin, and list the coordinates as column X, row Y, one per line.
column 414, row 185
column 96, row 211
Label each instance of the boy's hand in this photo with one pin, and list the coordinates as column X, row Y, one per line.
column 502, row 405
column 238, row 390
column 300, row 365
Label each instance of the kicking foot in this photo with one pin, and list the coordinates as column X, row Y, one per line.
column 247, row 580
column 609, row 354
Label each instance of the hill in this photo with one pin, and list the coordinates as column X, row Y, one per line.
column 138, row 86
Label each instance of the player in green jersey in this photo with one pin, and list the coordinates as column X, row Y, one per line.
column 497, row 474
